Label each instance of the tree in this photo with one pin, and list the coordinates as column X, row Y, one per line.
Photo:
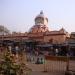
column 3, row 30
column 9, row 67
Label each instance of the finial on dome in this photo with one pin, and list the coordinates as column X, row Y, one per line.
column 41, row 12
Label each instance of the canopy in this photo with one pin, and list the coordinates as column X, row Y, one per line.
column 45, row 45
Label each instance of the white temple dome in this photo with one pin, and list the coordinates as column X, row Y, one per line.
column 41, row 15
column 41, row 23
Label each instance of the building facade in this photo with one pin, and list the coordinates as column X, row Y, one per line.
column 71, row 44
column 39, row 32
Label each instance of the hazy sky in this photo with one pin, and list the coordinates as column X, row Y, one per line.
column 18, row 15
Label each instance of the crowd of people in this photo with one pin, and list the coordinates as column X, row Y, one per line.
column 37, row 52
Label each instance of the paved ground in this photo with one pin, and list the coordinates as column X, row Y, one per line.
column 52, row 67
column 38, row 69
column 45, row 73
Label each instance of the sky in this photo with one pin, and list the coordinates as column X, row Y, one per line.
column 19, row 15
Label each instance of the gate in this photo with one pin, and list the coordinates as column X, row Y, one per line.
column 59, row 64
column 72, row 64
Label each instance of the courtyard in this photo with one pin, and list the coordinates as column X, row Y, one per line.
column 50, row 67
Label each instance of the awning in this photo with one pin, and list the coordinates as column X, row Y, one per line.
column 45, row 45
column 72, row 45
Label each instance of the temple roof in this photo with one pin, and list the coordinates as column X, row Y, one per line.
column 39, row 28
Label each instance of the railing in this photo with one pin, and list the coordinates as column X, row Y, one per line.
column 59, row 63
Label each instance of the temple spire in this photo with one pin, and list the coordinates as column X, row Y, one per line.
column 41, row 12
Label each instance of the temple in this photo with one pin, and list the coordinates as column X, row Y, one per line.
column 39, row 32
column 41, row 37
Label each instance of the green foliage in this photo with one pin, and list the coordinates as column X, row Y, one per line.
column 4, row 30
column 7, row 66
